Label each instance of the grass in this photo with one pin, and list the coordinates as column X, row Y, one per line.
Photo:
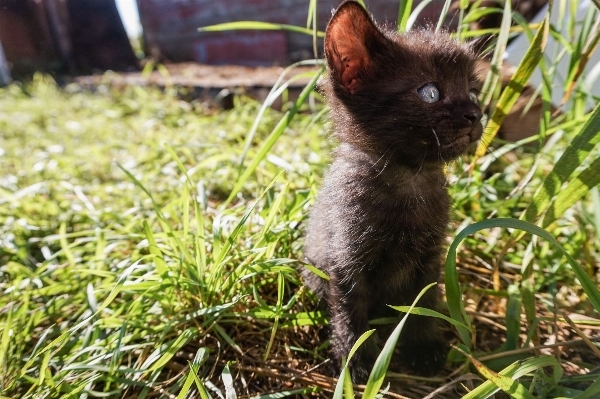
column 138, row 259
column 106, row 250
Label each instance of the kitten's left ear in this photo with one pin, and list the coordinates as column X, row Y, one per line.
column 350, row 38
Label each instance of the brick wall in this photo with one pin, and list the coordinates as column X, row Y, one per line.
column 170, row 28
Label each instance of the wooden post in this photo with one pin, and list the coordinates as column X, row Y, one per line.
column 59, row 26
column 4, row 71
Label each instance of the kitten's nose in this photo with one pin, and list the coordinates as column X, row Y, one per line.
column 472, row 115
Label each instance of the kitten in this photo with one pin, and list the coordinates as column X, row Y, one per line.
column 403, row 105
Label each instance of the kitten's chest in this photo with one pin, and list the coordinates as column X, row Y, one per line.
column 408, row 200
column 391, row 203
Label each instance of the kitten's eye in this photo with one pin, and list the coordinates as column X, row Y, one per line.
column 473, row 97
column 429, row 93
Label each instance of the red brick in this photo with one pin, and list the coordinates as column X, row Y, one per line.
column 243, row 47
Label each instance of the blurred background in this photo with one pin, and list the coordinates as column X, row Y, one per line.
column 84, row 36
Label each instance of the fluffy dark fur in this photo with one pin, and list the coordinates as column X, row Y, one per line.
column 378, row 226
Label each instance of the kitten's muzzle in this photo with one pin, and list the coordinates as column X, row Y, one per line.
column 467, row 125
column 460, row 120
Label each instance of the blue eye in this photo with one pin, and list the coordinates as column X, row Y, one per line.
column 429, row 93
column 473, row 96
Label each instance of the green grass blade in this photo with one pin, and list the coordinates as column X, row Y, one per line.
column 228, row 382
column 7, row 328
column 203, row 392
column 513, row 372
column 230, row 241
column 312, row 5
column 404, row 10
column 159, row 261
column 443, row 15
column 493, row 77
column 164, row 223
column 515, row 85
column 477, row 13
column 383, row 360
column 43, row 368
column 258, row 25
column 591, row 392
column 431, row 313
column 278, row 306
column 581, row 146
column 316, row 271
column 300, row 392
column 339, row 387
column 200, row 247
column 576, row 189
column 270, row 141
column 453, row 293
column 512, row 319
column 173, row 347
column 315, row 30
column 189, row 380
column 581, row 59
column 64, row 244
column 275, row 92
column 221, row 331
column 348, row 387
column 185, row 199
column 275, row 208
column 65, row 335
column 415, row 14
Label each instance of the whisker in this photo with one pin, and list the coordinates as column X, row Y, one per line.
column 386, row 163
column 380, row 158
column 438, row 144
column 422, row 161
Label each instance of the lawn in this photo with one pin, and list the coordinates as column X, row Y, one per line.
column 150, row 247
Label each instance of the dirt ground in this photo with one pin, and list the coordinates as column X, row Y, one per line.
column 218, row 83
column 189, row 74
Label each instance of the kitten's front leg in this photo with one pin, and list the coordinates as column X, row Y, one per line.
column 422, row 344
column 348, row 304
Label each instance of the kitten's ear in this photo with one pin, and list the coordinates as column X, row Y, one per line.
column 349, row 37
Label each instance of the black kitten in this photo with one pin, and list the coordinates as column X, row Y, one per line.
column 403, row 106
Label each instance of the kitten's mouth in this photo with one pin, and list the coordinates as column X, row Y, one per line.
column 451, row 143
column 458, row 141
column 462, row 137
column 445, row 142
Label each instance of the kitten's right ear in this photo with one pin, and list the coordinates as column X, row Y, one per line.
column 350, row 35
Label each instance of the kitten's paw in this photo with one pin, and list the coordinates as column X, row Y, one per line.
column 360, row 373
column 425, row 358
column 360, row 367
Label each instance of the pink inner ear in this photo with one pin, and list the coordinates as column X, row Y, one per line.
column 345, row 44
column 349, row 57
column 351, row 68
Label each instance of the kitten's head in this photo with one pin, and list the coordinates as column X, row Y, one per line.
column 412, row 96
